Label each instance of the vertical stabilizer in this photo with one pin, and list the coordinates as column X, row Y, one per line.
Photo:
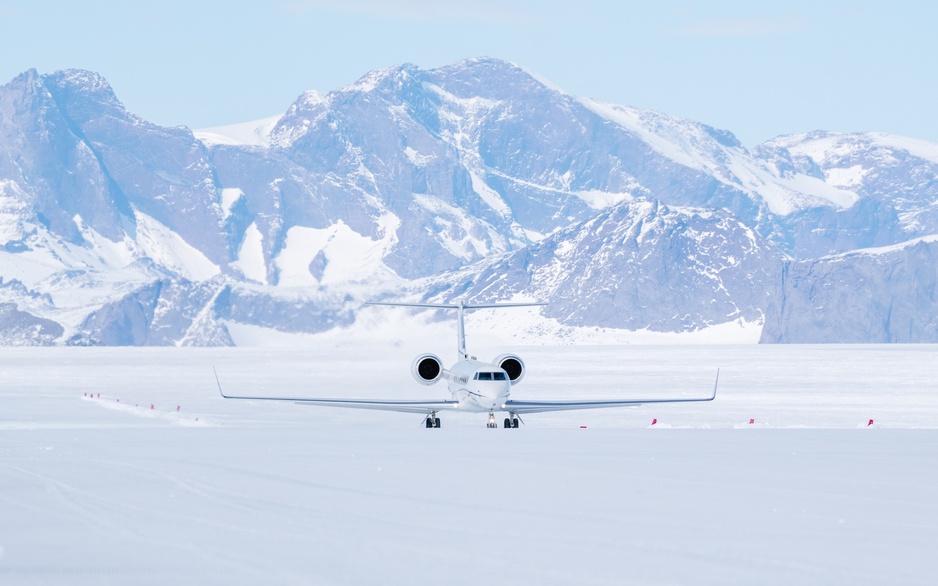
column 460, row 306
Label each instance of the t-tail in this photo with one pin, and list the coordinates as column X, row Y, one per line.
column 461, row 307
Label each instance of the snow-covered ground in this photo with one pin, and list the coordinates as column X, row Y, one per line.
column 106, row 490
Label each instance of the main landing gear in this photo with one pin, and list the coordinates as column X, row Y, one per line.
column 510, row 422
column 432, row 420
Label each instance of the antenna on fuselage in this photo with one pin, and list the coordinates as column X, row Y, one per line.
column 460, row 306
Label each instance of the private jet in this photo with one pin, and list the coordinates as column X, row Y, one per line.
column 475, row 386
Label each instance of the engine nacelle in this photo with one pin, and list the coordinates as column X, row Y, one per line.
column 511, row 364
column 427, row 369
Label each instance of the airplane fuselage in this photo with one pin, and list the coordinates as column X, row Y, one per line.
column 477, row 385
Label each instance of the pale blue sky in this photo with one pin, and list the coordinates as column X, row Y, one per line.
column 757, row 69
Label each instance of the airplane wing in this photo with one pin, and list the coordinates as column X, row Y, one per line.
column 403, row 406
column 522, row 407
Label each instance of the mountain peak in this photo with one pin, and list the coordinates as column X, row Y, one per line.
column 84, row 94
column 489, row 78
column 388, row 78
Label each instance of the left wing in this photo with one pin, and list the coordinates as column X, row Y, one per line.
column 424, row 407
column 542, row 406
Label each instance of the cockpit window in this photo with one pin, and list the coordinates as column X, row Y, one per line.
column 490, row 376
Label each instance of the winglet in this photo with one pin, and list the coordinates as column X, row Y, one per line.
column 218, row 382
column 717, row 382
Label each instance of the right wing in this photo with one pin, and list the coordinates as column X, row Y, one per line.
column 402, row 406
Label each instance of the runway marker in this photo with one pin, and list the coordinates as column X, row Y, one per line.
column 581, row 427
column 870, row 423
column 151, row 405
column 654, row 421
column 751, row 421
column 177, row 408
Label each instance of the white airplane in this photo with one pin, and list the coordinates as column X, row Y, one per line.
column 476, row 386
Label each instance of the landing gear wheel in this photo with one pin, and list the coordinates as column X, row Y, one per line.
column 491, row 424
column 514, row 423
column 436, row 422
column 508, row 423
column 429, row 423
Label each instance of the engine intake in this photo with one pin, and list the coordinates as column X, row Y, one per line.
column 511, row 364
column 427, row 369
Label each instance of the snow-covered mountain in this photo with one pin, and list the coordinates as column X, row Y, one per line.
column 114, row 230
column 638, row 265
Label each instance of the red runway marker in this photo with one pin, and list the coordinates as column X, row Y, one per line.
column 151, row 405
column 654, row 421
column 870, row 423
column 751, row 421
column 582, row 427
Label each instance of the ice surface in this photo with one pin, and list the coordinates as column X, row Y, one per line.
column 253, row 133
column 346, row 255
column 251, row 255
column 169, row 249
column 93, row 491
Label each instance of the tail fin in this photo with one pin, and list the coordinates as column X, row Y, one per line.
column 461, row 308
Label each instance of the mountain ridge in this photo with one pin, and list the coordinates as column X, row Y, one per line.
column 410, row 177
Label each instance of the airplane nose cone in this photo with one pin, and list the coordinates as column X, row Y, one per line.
column 501, row 397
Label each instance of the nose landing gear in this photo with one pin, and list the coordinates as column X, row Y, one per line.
column 510, row 422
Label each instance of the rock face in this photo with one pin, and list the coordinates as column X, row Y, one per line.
column 124, row 232
column 876, row 295
column 19, row 328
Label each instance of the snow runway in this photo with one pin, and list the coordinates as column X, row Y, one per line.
column 277, row 493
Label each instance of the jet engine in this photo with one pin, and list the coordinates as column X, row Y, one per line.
column 511, row 364
column 427, row 369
